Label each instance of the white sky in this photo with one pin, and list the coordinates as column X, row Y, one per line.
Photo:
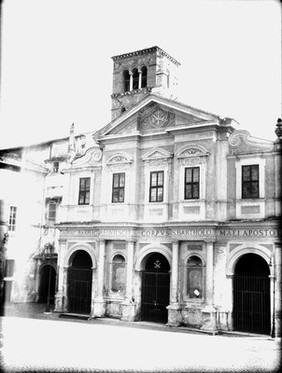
column 57, row 67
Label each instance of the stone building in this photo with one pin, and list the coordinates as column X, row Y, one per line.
column 168, row 214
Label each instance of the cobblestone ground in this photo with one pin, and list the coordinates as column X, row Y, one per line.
column 68, row 346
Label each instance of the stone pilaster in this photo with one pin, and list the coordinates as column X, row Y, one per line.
column 174, row 316
column 276, row 320
column 129, row 306
column 61, row 290
column 209, row 314
column 99, row 302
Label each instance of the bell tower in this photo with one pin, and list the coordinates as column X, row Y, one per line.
column 137, row 74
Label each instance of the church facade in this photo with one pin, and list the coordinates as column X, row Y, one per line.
column 168, row 214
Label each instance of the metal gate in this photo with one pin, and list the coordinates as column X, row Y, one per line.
column 251, row 310
column 79, row 290
column 155, row 296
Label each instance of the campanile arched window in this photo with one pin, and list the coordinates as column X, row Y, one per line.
column 144, row 77
column 126, row 77
column 135, row 76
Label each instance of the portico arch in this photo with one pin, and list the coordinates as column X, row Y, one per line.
column 80, row 261
column 247, row 249
column 152, row 248
column 80, row 246
column 249, row 271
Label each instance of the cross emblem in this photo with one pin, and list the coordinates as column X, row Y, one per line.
column 157, row 264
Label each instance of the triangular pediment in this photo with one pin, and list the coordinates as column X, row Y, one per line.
column 156, row 153
column 154, row 115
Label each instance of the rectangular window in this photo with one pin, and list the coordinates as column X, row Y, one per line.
column 12, row 218
column 157, row 186
column 250, row 181
column 52, row 209
column 84, row 191
column 56, row 166
column 192, row 183
column 9, row 267
column 118, row 187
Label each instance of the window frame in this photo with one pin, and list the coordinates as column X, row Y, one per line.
column 55, row 167
column 119, row 188
column 192, row 183
column 84, row 191
column 156, row 187
column 53, row 219
column 250, row 183
column 12, row 218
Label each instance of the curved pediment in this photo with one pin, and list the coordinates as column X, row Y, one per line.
column 119, row 158
column 186, row 151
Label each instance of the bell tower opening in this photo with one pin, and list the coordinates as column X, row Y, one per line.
column 137, row 74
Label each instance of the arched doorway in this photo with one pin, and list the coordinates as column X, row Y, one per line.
column 80, row 283
column 155, row 288
column 251, row 295
column 47, row 284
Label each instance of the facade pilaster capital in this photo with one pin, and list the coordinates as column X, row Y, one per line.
column 100, row 240
column 131, row 240
column 210, row 242
column 230, row 275
column 277, row 244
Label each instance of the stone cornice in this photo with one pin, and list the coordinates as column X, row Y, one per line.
column 144, row 51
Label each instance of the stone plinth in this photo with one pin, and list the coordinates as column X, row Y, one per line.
column 209, row 315
column 174, row 315
column 99, row 309
column 128, row 311
column 59, row 302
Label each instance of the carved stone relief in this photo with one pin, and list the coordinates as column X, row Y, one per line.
column 191, row 161
column 158, row 119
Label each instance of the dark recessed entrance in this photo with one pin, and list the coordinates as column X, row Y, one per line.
column 155, row 289
column 80, row 283
column 251, row 295
column 47, row 284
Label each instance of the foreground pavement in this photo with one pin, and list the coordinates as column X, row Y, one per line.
column 61, row 345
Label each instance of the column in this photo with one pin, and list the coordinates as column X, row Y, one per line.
column 129, row 306
column 131, row 81
column 209, row 313
column 140, row 79
column 61, row 291
column 174, row 314
column 99, row 302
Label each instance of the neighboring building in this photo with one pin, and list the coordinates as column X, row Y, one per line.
column 167, row 214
